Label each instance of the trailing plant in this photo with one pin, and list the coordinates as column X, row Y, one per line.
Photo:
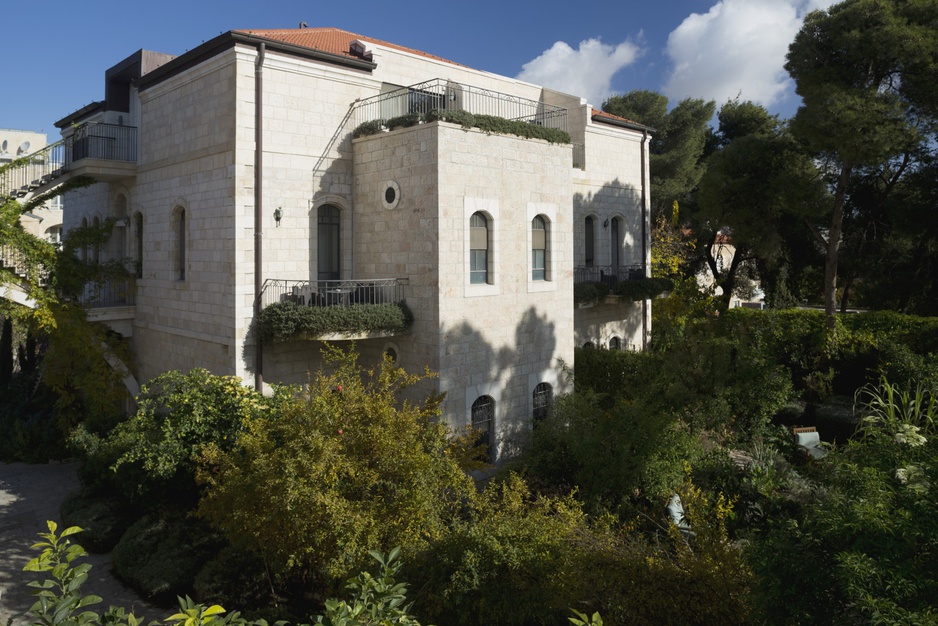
column 285, row 320
column 403, row 121
column 643, row 288
column 364, row 129
column 587, row 293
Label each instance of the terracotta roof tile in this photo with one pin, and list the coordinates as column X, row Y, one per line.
column 332, row 40
column 598, row 113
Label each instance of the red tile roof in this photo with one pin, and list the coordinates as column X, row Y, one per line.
column 610, row 116
column 332, row 40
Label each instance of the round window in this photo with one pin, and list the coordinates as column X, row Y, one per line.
column 392, row 195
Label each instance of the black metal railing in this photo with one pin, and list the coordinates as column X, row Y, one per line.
column 333, row 292
column 108, row 142
column 451, row 96
column 607, row 274
column 108, row 293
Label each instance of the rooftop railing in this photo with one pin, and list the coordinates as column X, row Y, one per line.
column 451, row 96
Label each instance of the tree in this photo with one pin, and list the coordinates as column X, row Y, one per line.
column 864, row 70
column 677, row 141
column 336, row 470
column 757, row 179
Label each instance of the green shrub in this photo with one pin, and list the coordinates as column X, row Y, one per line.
column 286, row 320
column 585, row 293
column 160, row 556
column 102, row 518
column 177, row 417
column 364, row 129
column 403, row 121
column 643, row 288
column 335, row 470
column 234, row 577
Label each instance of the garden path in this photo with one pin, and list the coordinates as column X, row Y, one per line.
column 30, row 495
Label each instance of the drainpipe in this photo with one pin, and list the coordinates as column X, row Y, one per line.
column 258, row 212
column 646, row 305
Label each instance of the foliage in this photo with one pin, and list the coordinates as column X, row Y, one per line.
column 671, row 248
column 677, row 143
column 160, row 554
column 586, row 293
column 178, row 417
column 870, row 535
column 337, row 469
column 103, row 519
column 286, row 320
column 61, row 600
column 403, row 121
column 642, row 288
column 507, row 563
column 377, row 600
column 861, row 68
column 486, row 123
column 371, row 127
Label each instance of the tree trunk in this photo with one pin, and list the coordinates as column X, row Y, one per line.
column 834, row 237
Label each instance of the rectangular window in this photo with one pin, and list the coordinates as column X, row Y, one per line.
column 539, row 269
column 478, row 267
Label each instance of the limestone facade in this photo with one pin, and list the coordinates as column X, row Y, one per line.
column 185, row 220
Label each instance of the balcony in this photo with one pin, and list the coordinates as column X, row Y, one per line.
column 333, row 310
column 100, row 151
column 608, row 284
column 446, row 95
column 111, row 302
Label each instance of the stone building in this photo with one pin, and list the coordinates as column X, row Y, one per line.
column 233, row 182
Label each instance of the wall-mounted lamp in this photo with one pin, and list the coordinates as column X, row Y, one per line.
column 278, row 215
column 606, row 223
column 125, row 220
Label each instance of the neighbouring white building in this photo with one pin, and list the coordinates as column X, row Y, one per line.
column 44, row 221
column 233, row 182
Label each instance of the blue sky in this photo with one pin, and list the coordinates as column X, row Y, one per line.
column 55, row 52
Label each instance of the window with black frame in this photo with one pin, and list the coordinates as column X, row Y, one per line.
column 483, row 421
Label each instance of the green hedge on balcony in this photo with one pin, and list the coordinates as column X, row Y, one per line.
column 631, row 290
column 286, row 320
column 486, row 123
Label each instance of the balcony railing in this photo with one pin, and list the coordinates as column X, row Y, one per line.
column 451, row 96
column 108, row 293
column 333, row 292
column 607, row 274
column 107, row 142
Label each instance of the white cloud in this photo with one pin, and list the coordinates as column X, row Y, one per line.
column 736, row 48
column 586, row 72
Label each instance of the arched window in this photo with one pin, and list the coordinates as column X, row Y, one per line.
column 543, row 397
column 96, row 247
column 119, row 237
column 615, row 343
column 483, row 420
column 588, row 345
column 54, row 234
column 615, row 243
column 180, row 231
column 589, row 245
column 538, row 248
column 478, row 249
column 84, row 249
column 328, row 221
column 138, row 245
